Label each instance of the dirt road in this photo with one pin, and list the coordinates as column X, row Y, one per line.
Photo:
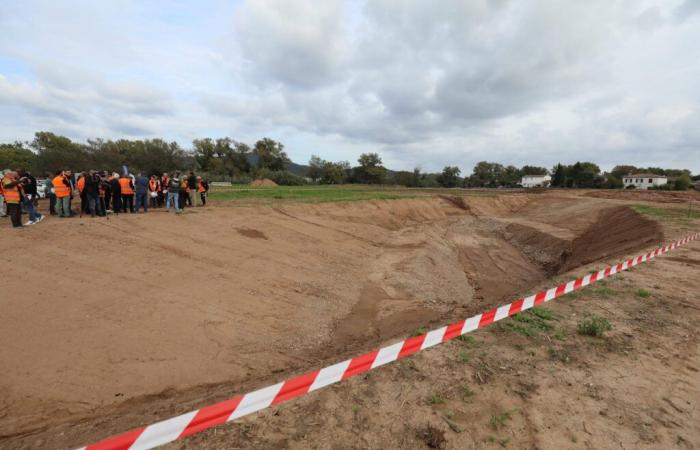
column 136, row 318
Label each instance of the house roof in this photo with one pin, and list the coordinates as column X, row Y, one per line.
column 644, row 175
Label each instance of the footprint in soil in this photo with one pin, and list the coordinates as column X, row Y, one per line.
column 251, row 233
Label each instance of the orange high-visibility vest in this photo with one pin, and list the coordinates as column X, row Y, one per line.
column 153, row 185
column 125, row 183
column 59, row 188
column 12, row 194
column 81, row 184
column 201, row 188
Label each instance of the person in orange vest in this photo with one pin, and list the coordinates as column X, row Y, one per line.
column 80, row 185
column 203, row 189
column 62, row 191
column 153, row 190
column 127, row 192
column 12, row 190
column 184, row 193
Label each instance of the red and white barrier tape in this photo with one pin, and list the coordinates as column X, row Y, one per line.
column 193, row 422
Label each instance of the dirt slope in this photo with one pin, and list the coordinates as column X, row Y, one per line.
column 138, row 316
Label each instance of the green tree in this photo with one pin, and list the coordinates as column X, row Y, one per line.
column 559, row 176
column 58, row 153
column 486, row 174
column 204, row 153
column 371, row 170
column 315, row 168
column 449, row 177
column 511, row 176
column 334, row 172
column 271, row 155
column 682, row 183
column 623, row 170
column 13, row 156
column 533, row 170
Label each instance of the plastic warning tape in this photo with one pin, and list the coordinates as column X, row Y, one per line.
column 229, row 410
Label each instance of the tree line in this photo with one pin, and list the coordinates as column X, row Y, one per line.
column 231, row 160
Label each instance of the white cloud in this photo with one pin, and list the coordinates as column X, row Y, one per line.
column 423, row 82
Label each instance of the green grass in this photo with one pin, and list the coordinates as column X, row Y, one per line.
column 643, row 293
column 436, row 399
column 329, row 193
column 531, row 322
column 498, row 420
column 593, row 326
column 467, row 392
column 669, row 214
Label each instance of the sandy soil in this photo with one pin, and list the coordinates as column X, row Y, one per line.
column 137, row 318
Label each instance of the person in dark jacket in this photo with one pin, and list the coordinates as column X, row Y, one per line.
column 27, row 199
column 91, row 194
column 141, row 187
column 116, row 193
column 193, row 187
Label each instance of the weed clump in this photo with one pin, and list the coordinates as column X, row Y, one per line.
column 643, row 293
column 433, row 436
column 593, row 326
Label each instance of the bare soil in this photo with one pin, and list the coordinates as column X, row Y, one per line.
column 140, row 317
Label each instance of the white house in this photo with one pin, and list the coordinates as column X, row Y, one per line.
column 530, row 181
column 644, row 180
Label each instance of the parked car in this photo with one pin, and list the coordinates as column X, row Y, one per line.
column 40, row 188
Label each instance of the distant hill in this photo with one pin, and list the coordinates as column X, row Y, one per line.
column 297, row 169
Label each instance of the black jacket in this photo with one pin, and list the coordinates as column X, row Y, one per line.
column 116, row 188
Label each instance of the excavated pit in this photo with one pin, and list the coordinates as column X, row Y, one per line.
column 267, row 291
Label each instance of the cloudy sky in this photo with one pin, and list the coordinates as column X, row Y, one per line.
column 424, row 83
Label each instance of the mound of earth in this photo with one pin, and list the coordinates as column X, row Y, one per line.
column 265, row 182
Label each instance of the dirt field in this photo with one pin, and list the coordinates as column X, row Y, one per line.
column 134, row 319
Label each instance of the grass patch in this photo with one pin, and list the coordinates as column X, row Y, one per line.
column 559, row 355
column 643, row 293
column 468, row 340
column 419, row 332
column 559, row 335
column 603, row 291
column 467, row 392
column 499, row 420
column 531, row 322
column 436, row 399
column 463, row 357
column 666, row 214
column 329, row 193
column 593, row 326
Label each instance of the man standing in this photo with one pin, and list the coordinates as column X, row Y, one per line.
column 62, row 191
column 26, row 199
column 3, row 209
column 48, row 189
column 141, row 185
column 173, row 193
column 193, row 188
column 127, row 189
column 91, row 191
column 12, row 191
column 154, row 191
column 164, row 183
column 116, row 192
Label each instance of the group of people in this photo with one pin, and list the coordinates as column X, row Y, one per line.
column 99, row 193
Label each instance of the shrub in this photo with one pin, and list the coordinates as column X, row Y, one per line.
column 593, row 326
column 644, row 293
